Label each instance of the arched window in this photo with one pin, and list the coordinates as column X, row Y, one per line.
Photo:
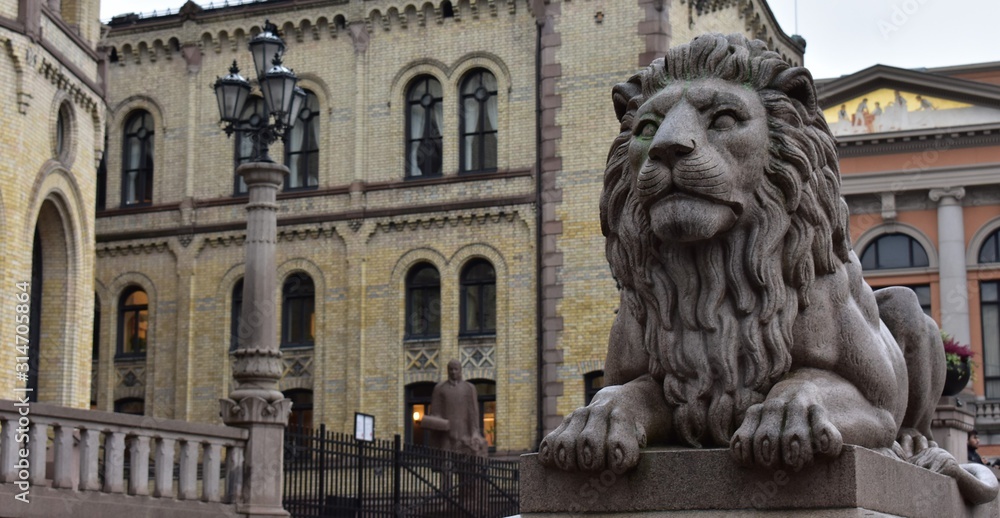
column 298, row 315
column 478, row 120
column 478, row 299
column 989, row 307
column 302, row 408
column 251, row 119
column 417, row 405
column 423, row 128
column 486, row 392
column 102, row 177
column 592, row 383
column 95, row 352
column 893, row 251
column 990, row 251
column 133, row 323
column 137, row 160
column 234, row 316
column 302, row 149
column 130, row 405
column 423, row 302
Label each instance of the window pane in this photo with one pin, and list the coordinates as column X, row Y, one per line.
column 472, row 323
column 894, row 251
column 919, row 254
column 988, row 253
column 489, row 151
column 434, row 88
column 489, row 81
column 137, row 298
column 868, row 258
column 434, row 312
column 490, row 423
column 991, row 341
column 490, row 124
column 489, row 307
column 988, row 292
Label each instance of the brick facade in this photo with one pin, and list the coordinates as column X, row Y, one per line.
column 49, row 69
column 362, row 230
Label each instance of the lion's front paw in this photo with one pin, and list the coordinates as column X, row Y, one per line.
column 593, row 438
column 790, row 432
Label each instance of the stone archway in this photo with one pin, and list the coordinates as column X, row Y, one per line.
column 50, row 272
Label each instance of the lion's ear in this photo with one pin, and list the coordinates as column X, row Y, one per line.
column 622, row 93
column 797, row 83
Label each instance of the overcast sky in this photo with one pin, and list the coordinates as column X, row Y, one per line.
column 843, row 36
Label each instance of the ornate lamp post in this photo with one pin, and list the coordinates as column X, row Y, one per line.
column 256, row 403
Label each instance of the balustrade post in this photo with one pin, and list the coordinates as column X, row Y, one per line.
column 234, row 474
column 38, row 441
column 163, row 486
column 210, row 473
column 114, row 463
column 89, row 449
column 139, row 473
column 62, row 476
column 8, row 451
column 187, row 483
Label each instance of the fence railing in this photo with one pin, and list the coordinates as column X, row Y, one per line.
column 329, row 474
column 78, row 454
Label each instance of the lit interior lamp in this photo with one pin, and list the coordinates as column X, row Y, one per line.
column 417, row 416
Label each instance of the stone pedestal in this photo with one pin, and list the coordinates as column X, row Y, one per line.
column 951, row 426
column 701, row 483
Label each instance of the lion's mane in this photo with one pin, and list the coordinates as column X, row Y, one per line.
column 729, row 304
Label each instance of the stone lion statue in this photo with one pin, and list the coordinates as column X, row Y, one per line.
column 744, row 319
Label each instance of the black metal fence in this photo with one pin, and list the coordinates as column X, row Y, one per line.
column 331, row 474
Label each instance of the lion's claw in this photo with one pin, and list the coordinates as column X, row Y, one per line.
column 792, row 433
column 593, row 438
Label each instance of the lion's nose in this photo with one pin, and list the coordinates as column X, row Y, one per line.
column 669, row 151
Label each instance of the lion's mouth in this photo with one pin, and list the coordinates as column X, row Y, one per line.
column 683, row 217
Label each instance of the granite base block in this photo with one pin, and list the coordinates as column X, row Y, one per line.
column 700, row 483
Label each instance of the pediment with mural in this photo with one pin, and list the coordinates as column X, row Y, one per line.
column 887, row 110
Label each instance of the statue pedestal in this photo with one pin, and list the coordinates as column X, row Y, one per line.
column 699, row 483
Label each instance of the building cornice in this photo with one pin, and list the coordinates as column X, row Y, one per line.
column 920, row 179
column 938, row 139
column 351, row 216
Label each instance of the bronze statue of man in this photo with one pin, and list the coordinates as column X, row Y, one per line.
column 455, row 400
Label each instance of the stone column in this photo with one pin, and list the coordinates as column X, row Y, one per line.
column 256, row 403
column 951, row 426
column 951, row 255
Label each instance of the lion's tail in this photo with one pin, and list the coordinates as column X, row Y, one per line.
column 977, row 483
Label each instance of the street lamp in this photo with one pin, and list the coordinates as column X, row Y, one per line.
column 256, row 403
column 282, row 98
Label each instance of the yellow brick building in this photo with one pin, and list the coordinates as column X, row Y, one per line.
column 445, row 208
column 52, row 107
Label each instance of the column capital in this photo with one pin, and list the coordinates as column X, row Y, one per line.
column 938, row 195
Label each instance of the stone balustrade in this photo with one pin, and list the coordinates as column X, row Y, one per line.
column 82, row 456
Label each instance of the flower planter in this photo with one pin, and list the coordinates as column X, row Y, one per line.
column 957, row 378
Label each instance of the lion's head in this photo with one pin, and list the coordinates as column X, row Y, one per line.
column 721, row 205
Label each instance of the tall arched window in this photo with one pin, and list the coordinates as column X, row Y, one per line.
column 417, row 404
column 593, row 382
column 234, row 316
column 478, row 299
column 302, row 408
column 137, row 160
column 423, row 128
column 133, row 323
column 298, row 314
column 478, row 119
column 989, row 307
column 302, row 149
column 486, row 393
column 893, row 251
column 423, row 302
column 244, row 150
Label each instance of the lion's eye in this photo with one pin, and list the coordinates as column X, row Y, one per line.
column 648, row 129
column 723, row 121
